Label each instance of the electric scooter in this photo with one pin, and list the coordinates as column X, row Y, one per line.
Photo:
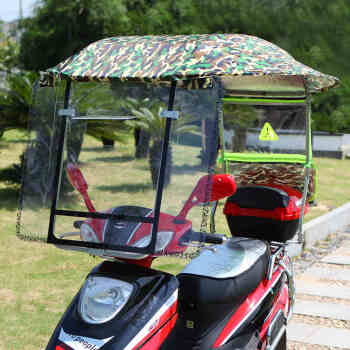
column 237, row 290
column 238, row 293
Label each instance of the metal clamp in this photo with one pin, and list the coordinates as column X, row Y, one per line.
column 169, row 114
column 66, row 112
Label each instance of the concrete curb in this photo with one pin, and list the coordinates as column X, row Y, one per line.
column 319, row 228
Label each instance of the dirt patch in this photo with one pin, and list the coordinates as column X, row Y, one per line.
column 307, row 297
column 323, row 207
column 320, row 321
column 7, row 296
column 293, row 345
column 332, row 266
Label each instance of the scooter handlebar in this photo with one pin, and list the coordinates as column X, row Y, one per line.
column 194, row 236
column 213, row 239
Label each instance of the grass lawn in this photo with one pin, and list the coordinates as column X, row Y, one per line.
column 37, row 281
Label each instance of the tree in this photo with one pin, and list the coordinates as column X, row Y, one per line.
column 8, row 52
column 15, row 100
column 331, row 111
column 239, row 119
column 70, row 25
column 150, row 120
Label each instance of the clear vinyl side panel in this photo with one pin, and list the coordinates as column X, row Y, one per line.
column 97, row 191
column 267, row 143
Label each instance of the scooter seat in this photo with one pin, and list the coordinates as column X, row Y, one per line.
column 231, row 271
column 212, row 287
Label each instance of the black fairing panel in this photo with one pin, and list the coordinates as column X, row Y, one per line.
column 153, row 288
column 206, row 304
column 120, row 235
column 260, row 197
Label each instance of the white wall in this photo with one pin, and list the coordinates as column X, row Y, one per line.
column 327, row 142
column 295, row 141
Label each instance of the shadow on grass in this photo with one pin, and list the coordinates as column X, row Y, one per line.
column 129, row 188
column 9, row 198
column 3, row 145
column 116, row 159
column 23, row 140
column 187, row 169
column 94, row 149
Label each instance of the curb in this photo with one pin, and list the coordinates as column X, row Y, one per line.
column 321, row 227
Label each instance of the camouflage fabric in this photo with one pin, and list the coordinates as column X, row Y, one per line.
column 191, row 59
column 281, row 174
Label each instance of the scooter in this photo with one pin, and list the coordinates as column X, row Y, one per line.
column 237, row 291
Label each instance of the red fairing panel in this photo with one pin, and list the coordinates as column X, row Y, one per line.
column 247, row 308
column 153, row 334
column 157, row 339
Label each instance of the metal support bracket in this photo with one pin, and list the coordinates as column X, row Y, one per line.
column 66, row 112
column 169, row 114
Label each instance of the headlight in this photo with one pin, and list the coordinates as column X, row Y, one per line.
column 87, row 234
column 102, row 298
column 163, row 239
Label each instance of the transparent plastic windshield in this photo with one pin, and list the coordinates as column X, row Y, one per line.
column 92, row 168
column 193, row 154
column 98, row 185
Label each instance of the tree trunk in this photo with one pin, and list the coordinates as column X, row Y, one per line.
column 210, row 140
column 40, row 159
column 142, row 139
column 155, row 155
column 239, row 140
column 107, row 143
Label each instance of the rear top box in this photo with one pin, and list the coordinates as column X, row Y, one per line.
column 269, row 212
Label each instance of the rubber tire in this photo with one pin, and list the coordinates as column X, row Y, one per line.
column 282, row 345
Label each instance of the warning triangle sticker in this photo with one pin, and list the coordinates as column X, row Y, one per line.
column 267, row 133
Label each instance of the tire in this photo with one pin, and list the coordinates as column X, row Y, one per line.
column 282, row 345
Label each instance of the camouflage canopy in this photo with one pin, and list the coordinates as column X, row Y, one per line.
column 192, row 59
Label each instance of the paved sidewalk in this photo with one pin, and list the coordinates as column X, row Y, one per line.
column 322, row 310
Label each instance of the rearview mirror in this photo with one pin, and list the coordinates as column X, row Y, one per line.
column 209, row 188
column 223, row 185
column 78, row 181
column 76, row 178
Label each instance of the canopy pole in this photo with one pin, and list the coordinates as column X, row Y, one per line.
column 163, row 163
column 307, row 168
column 56, row 185
column 221, row 142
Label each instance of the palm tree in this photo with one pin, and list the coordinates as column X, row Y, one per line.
column 240, row 119
column 15, row 101
column 100, row 99
column 150, row 121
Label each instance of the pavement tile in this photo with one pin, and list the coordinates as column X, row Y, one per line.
column 330, row 290
column 337, row 259
column 330, row 274
column 328, row 310
column 318, row 335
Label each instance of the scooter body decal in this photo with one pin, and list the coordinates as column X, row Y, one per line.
column 78, row 342
column 161, row 316
column 252, row 302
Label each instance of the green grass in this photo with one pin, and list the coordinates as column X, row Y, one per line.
column 37, row 281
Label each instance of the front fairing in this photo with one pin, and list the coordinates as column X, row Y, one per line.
column 128, row 233
column 151, row 307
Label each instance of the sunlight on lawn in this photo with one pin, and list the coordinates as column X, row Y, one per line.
column 38, row 281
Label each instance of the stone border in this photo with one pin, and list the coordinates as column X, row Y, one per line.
column 321, row 227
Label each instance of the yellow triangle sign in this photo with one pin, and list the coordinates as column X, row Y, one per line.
column 267, row 133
